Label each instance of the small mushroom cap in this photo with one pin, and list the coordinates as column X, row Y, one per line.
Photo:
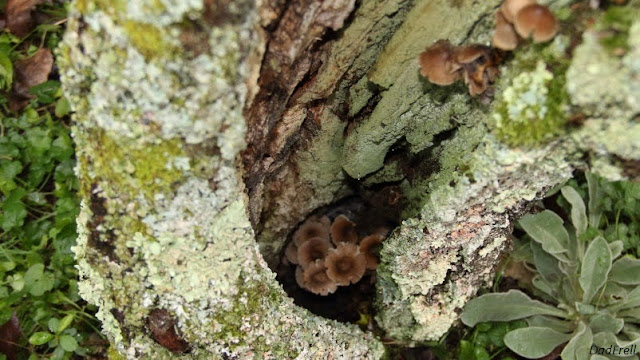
column 436, row 64
column 536, row 21
column 313, row 227
column 291, row 253
column 315, row 279
column 510, row 8
column 300, row 277
column 369, row 247
column 504, row 37
column 476, row 87
column 343, row 230
column 346, row 264
column 312, row 250
column 470, row 53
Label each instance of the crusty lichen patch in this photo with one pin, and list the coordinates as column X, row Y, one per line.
column 163, row 222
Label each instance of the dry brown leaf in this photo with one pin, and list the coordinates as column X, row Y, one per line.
column 30, row 72
column 518, row 270
column 18, row 16
column 10, row 333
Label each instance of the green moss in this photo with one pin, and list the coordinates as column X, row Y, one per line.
column 85, row 7
column 531, row 109
column 148, row 39
column 113, row 354
column 614, row 27
column 148, row 170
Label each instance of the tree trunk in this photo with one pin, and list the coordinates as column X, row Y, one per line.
column 206, row 131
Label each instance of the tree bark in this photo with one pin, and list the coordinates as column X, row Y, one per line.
column 206, row 131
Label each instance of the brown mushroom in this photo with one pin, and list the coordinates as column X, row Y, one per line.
column 504, row 37
column 343, row 230
column 291, row 253
column 470, row 53
column 369, row 247
column 313, row 227
column 312, row 250
column 510, row 8
column 476, row 86
column 436, row 64
column 315, row 279
column 345, row 264
column 536, row 21
column 300, row 277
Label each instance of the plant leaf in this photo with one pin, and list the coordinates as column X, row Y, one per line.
column 578, row 346
column 547, row 229
column 512, row 305
column 68, row 343
column 616, row 248
column 614, row 293
column 40, row 337
column 595, row 268
column 546, row 264
column 578, row 210
column 545, row 286
column 550, row 322
column 606, row 322
column 534, row 342
column 64, row 323
column 6, row 71
column 632, row 301
column 607, row 339
column 595, row 199
column 631, row 313
column 626, row 271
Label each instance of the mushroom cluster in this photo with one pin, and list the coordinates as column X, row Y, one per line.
column 331, row 254
column 443, row 64
column 525, row 18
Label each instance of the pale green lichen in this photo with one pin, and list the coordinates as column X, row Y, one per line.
column 529, row 112
column 439, row 259
column 597, row 82
column 608, row 88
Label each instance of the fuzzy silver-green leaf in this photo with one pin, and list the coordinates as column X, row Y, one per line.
column 595, row 268
column 578, row 346
column 626, row 271
column 547, row 229
column 534, row 342
column 578, row 210
column 512, row 305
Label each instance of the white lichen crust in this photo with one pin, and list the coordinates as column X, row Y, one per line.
column 438, row 261
column 163, row 222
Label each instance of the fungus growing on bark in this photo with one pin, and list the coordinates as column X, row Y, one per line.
column 312, row 228
column 291, row 253
column 510, row 8
column 436, row 64
column 345, row 264
column 536, row 21
column 442, row 64
column 300, row 277
column 343, row 230
column 315, row 279
column 312, row 250
column 479, row 66
column 504, row 37
column 369, row 247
